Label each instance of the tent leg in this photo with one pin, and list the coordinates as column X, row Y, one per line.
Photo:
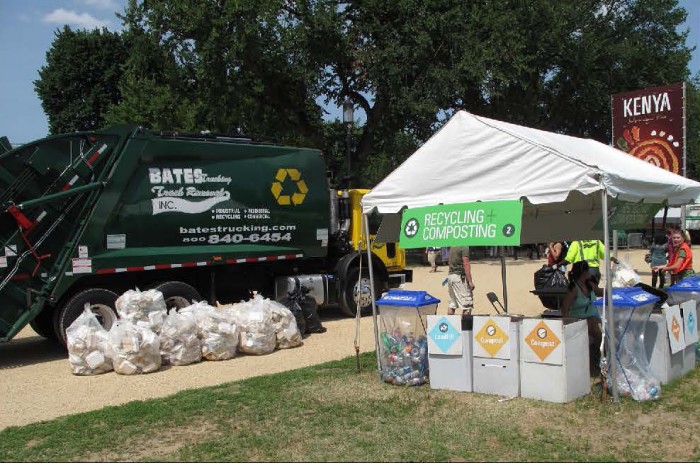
column 503, row 279
column 610, row 319
column 371, row 288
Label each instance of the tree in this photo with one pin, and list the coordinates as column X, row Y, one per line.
column 261, row 67
column 79, row 81
column 154, row 90
column 692, row 145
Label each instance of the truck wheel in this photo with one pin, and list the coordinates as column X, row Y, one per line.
column 178, row 294
column 43, row 324
column 102, row 302
column 350, row 289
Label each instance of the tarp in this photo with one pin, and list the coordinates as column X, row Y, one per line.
column 474, row 158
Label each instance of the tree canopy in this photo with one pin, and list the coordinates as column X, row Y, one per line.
column 267, row 68
column 80, row 80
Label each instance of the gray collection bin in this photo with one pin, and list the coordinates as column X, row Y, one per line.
column 554, row 362
column 450, row 352
column 682, row 293
column 496, row 352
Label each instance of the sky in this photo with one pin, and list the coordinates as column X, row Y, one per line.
column 27, row 30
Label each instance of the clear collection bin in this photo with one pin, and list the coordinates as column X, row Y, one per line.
column 631, row 308
column 403, row 344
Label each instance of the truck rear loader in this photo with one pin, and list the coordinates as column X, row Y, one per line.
column 87, row 215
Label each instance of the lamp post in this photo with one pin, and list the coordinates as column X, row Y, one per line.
column 348, row 120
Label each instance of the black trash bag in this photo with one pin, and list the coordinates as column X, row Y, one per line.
column 292, row 302
column 308, row 308
column 550, row 278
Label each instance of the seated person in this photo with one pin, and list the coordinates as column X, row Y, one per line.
column 578, row 303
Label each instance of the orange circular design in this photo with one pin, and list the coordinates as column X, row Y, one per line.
column 658, row 152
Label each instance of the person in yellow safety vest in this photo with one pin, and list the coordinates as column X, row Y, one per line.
column 591, row 251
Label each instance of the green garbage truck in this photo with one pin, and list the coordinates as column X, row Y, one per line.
column 87, row 215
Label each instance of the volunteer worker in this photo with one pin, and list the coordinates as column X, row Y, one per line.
column 590, row 251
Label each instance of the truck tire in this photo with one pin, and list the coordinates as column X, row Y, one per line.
column 178, row 294
column 102, row 302
column 43, row 324
column 350, row 288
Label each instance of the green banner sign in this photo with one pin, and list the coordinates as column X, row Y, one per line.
column 494, row 223
column 628, row 216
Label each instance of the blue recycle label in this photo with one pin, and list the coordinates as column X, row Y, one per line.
column 443, row 334
column 691, row 322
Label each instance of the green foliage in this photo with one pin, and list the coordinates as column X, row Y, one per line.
column 263, row 68
column 80, row 79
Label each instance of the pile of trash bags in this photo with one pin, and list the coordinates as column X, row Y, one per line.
column 147, row 336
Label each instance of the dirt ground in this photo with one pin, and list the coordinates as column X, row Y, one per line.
column 37, row 383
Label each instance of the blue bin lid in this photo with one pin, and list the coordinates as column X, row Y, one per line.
column 690, row 284
column 629, row 297
column 405, row 298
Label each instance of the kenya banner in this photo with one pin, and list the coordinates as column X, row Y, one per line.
column 648, row 124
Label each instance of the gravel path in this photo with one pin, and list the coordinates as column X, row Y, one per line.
column 37, row 383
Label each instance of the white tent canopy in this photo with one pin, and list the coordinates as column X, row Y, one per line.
column 474, row 158
column 565, row 183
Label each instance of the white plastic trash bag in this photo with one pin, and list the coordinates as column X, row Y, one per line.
column 624, row 275
column 257, row 333
column 217, row 330
column 135, row 349
column 179, row 344
column 285, row 324
column 143, row 308
column 88, row 345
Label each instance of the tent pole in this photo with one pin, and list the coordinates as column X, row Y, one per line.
column 365, row 221
column 610, row 319
column 503, row 278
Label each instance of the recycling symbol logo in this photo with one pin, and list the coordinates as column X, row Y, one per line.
column 691, row 322
column 411, row 228
column 290, row 176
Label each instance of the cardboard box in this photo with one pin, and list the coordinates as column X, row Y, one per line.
column 554, row 359
column 496, row 359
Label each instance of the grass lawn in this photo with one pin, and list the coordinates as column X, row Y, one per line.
column 330, row 412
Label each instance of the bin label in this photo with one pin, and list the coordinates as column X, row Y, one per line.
column 443, row 337
column 542, row 340
column 491, row 338
column 690, row 322
column 674, row 325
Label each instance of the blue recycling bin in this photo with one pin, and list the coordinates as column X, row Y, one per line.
column 688, row 289
column 403, row 344
column 631, row 309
